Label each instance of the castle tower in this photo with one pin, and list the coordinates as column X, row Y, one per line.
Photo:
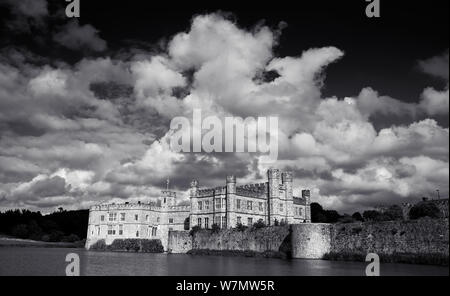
column 168, row 198
column 230, row 199
column 286, row 179
column 273, row 176
column 231, row 184
column 194, row 188
column 193, row 193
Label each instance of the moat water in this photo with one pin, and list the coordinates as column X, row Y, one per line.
column 51, row 261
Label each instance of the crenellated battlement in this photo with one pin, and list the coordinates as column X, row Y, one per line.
column 137, row 206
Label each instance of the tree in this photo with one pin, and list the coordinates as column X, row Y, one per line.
column 346, row 219
column 259, row 224
column 20, row 231
column 215, row 228
column 394, row 212
column 317, row 213
column 332, row 216
column 371, row 215
column 358, row 217
column 424, row 209
column 186, row 223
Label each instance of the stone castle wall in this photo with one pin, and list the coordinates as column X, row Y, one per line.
column 424, row 236
column 313, row 241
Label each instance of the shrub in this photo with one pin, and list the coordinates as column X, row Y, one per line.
column 194, row 230
column 137, row 245
column 240, row 227
column 215, row 228
column 152, row 246
column 358, row 217
column 394, row 212
column 259, row 224
column 424, row 209
column 99, row 245
column 346, row 219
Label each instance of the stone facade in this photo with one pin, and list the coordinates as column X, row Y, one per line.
column 232, row 204
column 139, row 220
column 225, row 206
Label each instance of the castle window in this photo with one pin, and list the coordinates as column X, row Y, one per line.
column 199, row 222
column 136, row 217
column 111, row 230
column 170, row 220
column 157, row 219
column 224, row 203
column 102, row 218
column 112, row 217
column 261, row 207
column 249, row 221
column 249, row 205
column 120, row 229
column 137, row 233
column 224, row 222
column 206, row 222
column 281, row 207
column 154, row 229
column 217, row 202
column 300, row 212
column 207, row 205
column 238, row 204
column 239, row 220
column 146, row 218
column 122, row 216
column 200, row 206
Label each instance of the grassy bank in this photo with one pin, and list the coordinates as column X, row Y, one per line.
column 17, row 242
column 243, row 253
column 408, row 258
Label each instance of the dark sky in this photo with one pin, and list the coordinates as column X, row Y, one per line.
column 381, row 52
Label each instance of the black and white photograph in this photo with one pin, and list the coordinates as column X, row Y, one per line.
column 224, row 139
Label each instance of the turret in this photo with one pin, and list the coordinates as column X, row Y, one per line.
column 286, row 179
column 306, row 194
column 168, row 198
column 274, row 183
column 231, row 184
column 194, row 188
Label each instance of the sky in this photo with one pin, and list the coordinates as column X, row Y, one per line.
column 86, row 104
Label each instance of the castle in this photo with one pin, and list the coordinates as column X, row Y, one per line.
column 227, row 206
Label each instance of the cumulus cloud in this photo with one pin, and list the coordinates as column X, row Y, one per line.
column 75, row 36
column 27, row 14
column 435, row 102
column 98, row 130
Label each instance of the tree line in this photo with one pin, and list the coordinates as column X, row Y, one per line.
column 391, row 213
column 59, row 226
